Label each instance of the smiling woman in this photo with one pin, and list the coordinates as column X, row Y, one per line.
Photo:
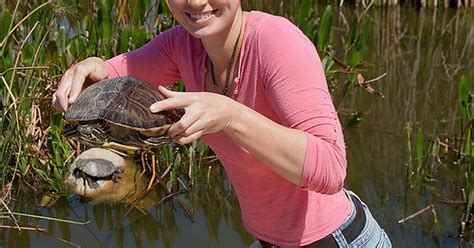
column 262, row 104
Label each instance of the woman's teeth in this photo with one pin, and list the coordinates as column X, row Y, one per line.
column 201, row 16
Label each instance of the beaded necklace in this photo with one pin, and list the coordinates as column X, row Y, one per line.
column 229, row 67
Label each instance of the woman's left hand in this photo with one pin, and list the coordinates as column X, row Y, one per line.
column 205, row 113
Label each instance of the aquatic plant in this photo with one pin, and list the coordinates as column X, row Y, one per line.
column 455, row 152
column 466, row 148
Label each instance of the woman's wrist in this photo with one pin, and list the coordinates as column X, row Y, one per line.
column 235, row 114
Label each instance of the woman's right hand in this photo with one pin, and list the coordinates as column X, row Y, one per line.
column 91, row 70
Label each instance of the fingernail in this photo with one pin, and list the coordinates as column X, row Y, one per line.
column 154, row 107
column 163, row 88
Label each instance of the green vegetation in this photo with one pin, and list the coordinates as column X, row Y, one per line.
column 454, row 153
column 38, row 43
column 465, row 147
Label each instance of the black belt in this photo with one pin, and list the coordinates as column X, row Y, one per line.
column 351, row 232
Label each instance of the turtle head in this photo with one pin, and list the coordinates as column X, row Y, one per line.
column 91, row 133
column 119, row 170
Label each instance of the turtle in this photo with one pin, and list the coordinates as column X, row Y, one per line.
column 94, row 169
column 115, row 113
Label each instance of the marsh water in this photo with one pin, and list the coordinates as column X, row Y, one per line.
column 423, row 52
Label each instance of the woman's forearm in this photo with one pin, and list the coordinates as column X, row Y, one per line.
column 281, row 148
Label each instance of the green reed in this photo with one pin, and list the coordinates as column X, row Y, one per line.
column 466, row 151
column 21, row 92
column 456, row 154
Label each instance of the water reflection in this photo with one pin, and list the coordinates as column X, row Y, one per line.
column 215, row 220
column 424, row 54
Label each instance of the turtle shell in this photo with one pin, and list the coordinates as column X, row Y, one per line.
column 96, row 167
column 124, row 101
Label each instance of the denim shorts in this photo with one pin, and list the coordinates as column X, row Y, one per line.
column 372, row 235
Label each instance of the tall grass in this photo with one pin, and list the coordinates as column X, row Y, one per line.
column 39, row 41
column 26, row 86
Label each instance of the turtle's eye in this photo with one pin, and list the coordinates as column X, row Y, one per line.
column 89, row 130
column 86, row 130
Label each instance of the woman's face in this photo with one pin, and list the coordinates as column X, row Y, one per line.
column 203, row 18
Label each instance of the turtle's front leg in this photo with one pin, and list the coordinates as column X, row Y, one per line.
column 115, row 177
column 92, row 183
column 76, row 173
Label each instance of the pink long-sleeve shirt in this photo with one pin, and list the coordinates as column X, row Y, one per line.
column 281, row 77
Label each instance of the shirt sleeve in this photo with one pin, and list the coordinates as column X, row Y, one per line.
column 154, row 62
column 296, row 87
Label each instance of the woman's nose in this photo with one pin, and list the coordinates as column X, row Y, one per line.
column 197, row 3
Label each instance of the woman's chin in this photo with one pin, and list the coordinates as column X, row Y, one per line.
column 202, row 33
column 210, row 28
